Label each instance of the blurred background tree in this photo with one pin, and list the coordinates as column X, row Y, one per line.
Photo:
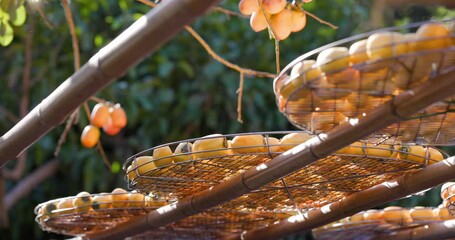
column 178, row 92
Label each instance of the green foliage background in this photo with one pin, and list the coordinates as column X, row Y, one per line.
column 178, row 92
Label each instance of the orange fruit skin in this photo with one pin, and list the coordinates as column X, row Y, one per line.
column 118, row 116
column 110, row 129
column 432, row 36
column 258, row 21
column 281, row 24
column 90, row 136
column 247, row 7
column 100, row 115
column 274, row 6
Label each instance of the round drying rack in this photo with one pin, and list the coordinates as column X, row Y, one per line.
column 92, row 216
column 348, row 228
column 349, row 88
column 214, row 224
column 448, row 196
column 352, row 169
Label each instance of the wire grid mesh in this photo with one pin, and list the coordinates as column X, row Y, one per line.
column 448, row 196
column 324, row 181
column 348, row 228
column 317, row 101
column 95, row 215
column 214, row 224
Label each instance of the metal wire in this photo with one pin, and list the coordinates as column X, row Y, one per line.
column 317, row 105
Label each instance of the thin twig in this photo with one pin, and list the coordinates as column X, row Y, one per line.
column 100, row 149
column 77, row 65
column 320, row 20
column 69, row 19
column 229, row 12
column 224, row 61
column 97, row 99
column 26, row 185
column 272, row 31
column 239, row 98
column 148, row 3
column 43, row 16
column 212, row 53
column 86, row 109
column 18, row 171
column 69, row 123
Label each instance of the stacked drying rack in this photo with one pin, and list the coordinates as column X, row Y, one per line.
column 274, row 192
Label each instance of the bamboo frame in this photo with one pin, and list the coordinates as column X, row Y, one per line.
column 111, row 62
column 403, row 186
column 400, row 107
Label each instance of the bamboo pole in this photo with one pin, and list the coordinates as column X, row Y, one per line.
column 437, row 230
column 111, row 62
column 320, row 146
column 402, row 186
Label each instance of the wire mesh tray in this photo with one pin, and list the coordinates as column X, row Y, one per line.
column 448, row 196
column 344, row 84
column 89, row 213
column 214, row 224
column 354, row 168
column 380, row 222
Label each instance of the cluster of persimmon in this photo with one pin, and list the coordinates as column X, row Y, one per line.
column 216, row 146
column 283, row 17
column 84, row 202
column 395, row 215
column 383, row 64
column 110, row 117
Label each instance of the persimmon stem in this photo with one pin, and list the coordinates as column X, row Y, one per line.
column 273, row 33
column 100, row 149
column 97, row 99
column 320, row 20
column 229, row 12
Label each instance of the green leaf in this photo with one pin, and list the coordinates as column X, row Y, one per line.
column 6, row 33
column 116, row 167
column 18, row 17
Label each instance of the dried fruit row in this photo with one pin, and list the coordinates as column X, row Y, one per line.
column 217, row 145
column 85, row 202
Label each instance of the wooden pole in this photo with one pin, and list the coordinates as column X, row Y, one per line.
column 403, row 186
column 111, row 62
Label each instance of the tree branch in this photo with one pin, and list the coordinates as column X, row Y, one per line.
column 69, row 19
column 320, row 20
column 73, row 118
column 229, row 12
column 25, row 186
column 212, row 53
column 19, row 168
column 223, row 61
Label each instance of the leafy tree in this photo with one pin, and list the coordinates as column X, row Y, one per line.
column 178, row 92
